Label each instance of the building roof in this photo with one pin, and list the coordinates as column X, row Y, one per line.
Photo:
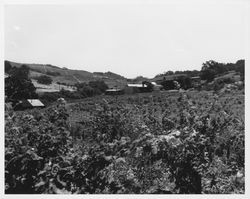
column 35, row 102
column 136, row 85
column 155, row 84
column 113, row 90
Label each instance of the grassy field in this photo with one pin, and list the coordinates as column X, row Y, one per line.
column 179, row 143
column 71, row 77
column 53, row 87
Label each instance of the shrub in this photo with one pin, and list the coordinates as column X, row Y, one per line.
column 220, row 83
column 44, row 79
column 49, row 97
column 85, row 90
column 98, row 86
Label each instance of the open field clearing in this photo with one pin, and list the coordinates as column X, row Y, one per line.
column 53, row 87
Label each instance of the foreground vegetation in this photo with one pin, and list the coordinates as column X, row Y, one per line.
column 148, row 143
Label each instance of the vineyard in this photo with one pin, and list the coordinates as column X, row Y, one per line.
column 152, row 143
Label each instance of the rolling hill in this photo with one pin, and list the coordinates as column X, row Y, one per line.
column 70, row 77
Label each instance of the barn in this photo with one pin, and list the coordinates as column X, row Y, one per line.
column 135, row 88
column 29, row 104
column 157, row 87
column 196, row 81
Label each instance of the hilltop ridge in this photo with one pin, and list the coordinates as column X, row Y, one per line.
column 62, row 75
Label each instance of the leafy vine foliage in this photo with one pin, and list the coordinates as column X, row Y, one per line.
column 131, row 145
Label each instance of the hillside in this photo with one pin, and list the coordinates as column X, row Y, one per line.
column 70, row 77
column 139, row 79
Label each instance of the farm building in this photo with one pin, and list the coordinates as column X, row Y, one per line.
column 114, row 91
column 29, row 104
column 196, row 81
column 135, row 88
column 157, row 87
column 197, row 78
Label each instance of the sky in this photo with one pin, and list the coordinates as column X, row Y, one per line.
column 129, row 39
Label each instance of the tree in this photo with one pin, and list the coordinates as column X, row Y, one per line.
column 208, row 75
column 18, row 86
column 7, row 66
column 209, row 70
column 168, row 84
column 85, row 90
column 240, row 67
column 98, row 86
column 185, row 82
column 212, row 68
column 44, row 79
column 169, row 72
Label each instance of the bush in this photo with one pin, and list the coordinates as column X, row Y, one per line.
column 98, row 86
column 86, row 90
column 48, row 98
column 51, row 97
column 220, row 83
column 44, row 79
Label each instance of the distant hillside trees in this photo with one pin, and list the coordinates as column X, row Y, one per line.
column 91, row 88
column 240, row 67
column 138, row 79
column 99, row 86
column 169, row 73
column 189, row 73
column 85, row 90
column 44, row 79
column 18, row 85
column 211, row 68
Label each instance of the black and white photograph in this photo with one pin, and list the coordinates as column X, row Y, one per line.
column 125, row 97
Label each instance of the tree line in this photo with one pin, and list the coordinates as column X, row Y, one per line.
column 210, row 69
